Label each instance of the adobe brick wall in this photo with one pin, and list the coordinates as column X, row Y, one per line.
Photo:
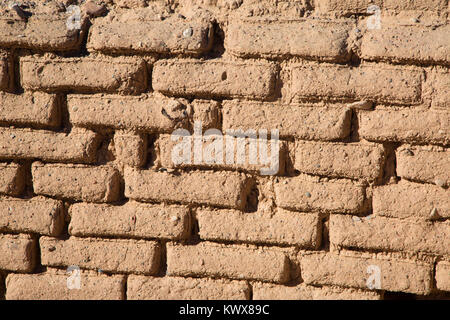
column 88, row 177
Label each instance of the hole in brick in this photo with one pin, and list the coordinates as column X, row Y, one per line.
column 224, row 76
column 252, row 200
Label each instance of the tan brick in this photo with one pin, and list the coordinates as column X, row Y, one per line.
column 409, row 200
column 350, row 160
column 207, row 112
column 425, row 164
column 323, row 40
column 123, row 74
column 224, row 152
column 443, row 275
column 40, row 31
column 78, row 182
column 172, row 35
column 131, row 149
column 38, row 215
column 49, row 286
column 381, row 233
column 407, row 44
column 425, row 5
column 360, row 6
column 208, row 259
column 18, row 253
column 79, row 145
column 132, row 219
column 177, row 288
column 304, row 193
column 222, row 189
column 269, row 291
column 142, row 257
column 145, row 112
column 355, row 271
column 12, row 179
column 215, row 78
column 281, row 227
column 429, row 126
column 439, row 85
column 4, row 75
column 368, row 82
column 36, row 109
column 309, row 123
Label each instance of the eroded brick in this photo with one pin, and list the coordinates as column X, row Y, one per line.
column 124, row 74
column 222, row 189
column 381, row 233
column 38, row 215
column 146, row 112
column 323, row 40
column 269, row 291
column 408, row 125
column 177, row 288
column 36, row 109
column 18, row 252
column 424, row 164
column 235, row 262
column 172, row 35
column 12, row 178
column 132, row 219
column 443, row 275
column 354, row 271
column 309, row 123
column 350, row 160
column 78, row 182
column 215, row 78
column 281, row 227
column 304, row 193
column 411, row 200
column 53, row 286
column 130, row 148
column 368, row 82
column 108, row 255
column 5, row 78
column 79, row 145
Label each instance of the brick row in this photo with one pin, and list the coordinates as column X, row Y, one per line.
column 350, row 160
column 234, row 262
column 360, row 6
column 308, row 123
column 381, row 233
column 12, row 178
column 215, row 78
column 36, row 109
column 145, row 112
column 214, row 150
column 38, row 215
column 411, row 44
column 18, row 253
column 359, row 271
column 77, row 182
column 177, row 288
column 222, row 189
column 128, row 256
column 54, row 286
column 132, row 219
column 406, row 125
column 42, row 31
column 305, row 193
column 173, row 35
column 80, row 145
column 281, row 227
column 87, row 75
column 368, row 82
column 411, row 200
column 323, row 40
column 424, row 164
column 269, row 291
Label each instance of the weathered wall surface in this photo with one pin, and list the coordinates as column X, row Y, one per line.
column 90, row 95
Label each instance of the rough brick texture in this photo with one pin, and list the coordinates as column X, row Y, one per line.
column 225, row 149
